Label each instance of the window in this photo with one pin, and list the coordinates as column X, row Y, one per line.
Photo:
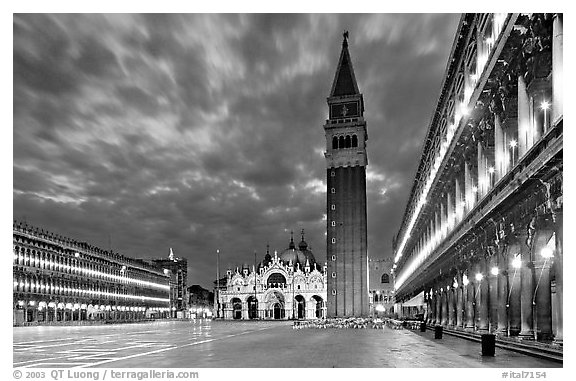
column 333, row 275
column 333, row 240
column 341, row 142
column 385, row 278
column 333, row 292
column 333, row 207
column 298, row 286
column 354, row 141
column 334, row 142
column 333, row 190
column 332, row 173
column 333, row 223
column 333, row 257
column 348, row 141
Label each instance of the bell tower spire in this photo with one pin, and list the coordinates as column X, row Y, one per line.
column 346, row 161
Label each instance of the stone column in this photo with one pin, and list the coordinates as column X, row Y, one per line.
column 502, row 280
column 470, row 306
column 451, row 307
column 444, row 306
column 482, row 179
column 493, row 293
column 459, row 302
column 557, row 68
column 499, row 149
column 527, row 290
column 524, row 127
column 558, row 273
column 482, row 298
column 543, row 297
column 438, row 306
column 458, row 202
column 514, row 284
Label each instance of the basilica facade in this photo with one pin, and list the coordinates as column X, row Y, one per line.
column 291, row 285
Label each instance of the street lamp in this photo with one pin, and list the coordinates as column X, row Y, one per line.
column 217, row 291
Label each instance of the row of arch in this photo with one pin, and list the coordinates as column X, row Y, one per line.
column 26, row 283
column 276, row 308
column 344, row 141
column 59, row 261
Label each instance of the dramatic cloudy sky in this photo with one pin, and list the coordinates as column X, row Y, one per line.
column 200, row 132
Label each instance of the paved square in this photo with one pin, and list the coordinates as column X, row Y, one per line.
column 269, row 344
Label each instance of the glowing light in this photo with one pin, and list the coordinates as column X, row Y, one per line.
column 544, row 105
column 474, row 189
column 494, row 270
column 479, row 277
column 491, row 169
column 547, row 252
column 380, row 308
column 517, row 262
column 513, row 143
column 465, row 280
column 455, row 285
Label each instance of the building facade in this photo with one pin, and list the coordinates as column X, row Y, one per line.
column 482, row 232
column 381, row 285
column 177, row 269
column 289, row 286
column 200, row 301
column 58, row 279
column 346, row 160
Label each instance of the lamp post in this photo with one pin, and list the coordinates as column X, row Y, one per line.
column 479, row 277
column 255, row 299
column 217, row 291
column 516, row 264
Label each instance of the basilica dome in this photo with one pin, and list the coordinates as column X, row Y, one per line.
column 299, row 254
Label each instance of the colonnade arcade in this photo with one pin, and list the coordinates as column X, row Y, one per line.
column 506, row 280
column 276, row 306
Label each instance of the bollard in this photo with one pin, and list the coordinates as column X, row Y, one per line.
column 438, row 332
column 422, row 327
column 488, row 344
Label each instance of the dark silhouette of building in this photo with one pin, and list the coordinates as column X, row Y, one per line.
column 177, row 269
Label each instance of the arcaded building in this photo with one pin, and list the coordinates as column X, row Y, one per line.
column 482, row 233
column 381, row 286
column 291, row 285
column 59, row 279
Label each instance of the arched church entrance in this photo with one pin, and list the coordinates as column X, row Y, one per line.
column 236, row 309
column 252, row 307
column 275, row 305
column 277, row 311
column 319, row 304
column 300, row 307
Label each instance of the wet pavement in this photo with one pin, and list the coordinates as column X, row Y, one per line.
column 247, row 344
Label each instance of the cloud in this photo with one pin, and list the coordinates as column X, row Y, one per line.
column 204, row 131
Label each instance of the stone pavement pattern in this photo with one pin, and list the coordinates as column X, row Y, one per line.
column 205, row 344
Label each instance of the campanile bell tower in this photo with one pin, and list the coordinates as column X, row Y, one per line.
column 346, row 162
